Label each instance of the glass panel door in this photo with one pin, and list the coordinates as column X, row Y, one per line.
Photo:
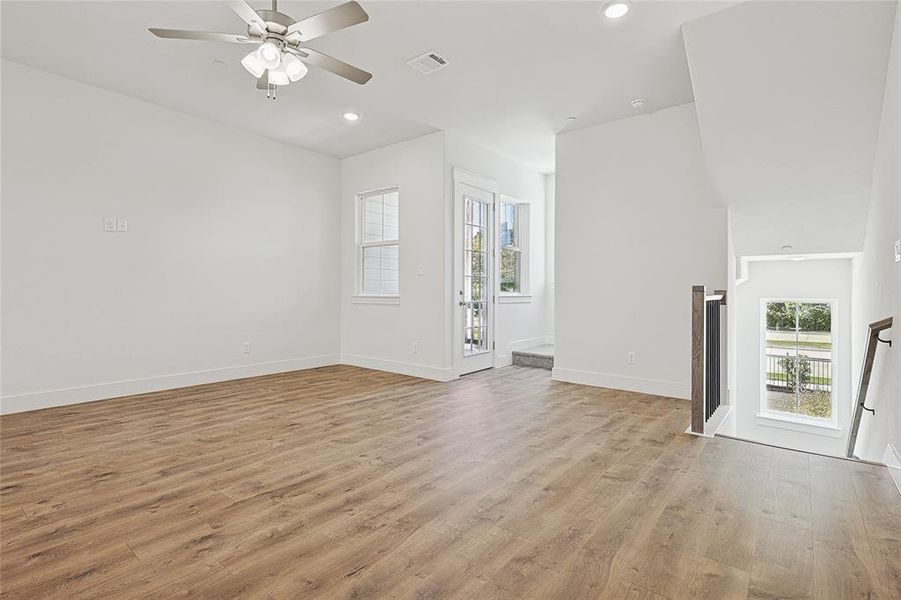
column 475, row 277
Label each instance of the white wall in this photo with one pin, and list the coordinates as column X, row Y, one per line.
column 519, row 325
column 550, row 190
column 788, row 96
column 230, row 239
column 878, row 278
column 810, row 279
column 382, row 336
column 727, row 427
column 636, row 226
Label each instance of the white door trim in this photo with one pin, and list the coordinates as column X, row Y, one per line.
column 475, row 180
column 489, row 187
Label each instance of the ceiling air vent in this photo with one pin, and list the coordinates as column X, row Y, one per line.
column 428, row 62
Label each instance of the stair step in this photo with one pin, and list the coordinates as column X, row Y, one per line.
column 526, row 358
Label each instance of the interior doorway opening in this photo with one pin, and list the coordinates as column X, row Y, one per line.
column 503, row 273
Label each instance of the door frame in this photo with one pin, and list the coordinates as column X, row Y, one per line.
column 463, row 179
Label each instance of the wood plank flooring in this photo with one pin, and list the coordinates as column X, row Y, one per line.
column 347, row 483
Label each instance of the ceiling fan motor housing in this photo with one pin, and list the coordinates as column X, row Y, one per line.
column 278, row 40
column 276, row 22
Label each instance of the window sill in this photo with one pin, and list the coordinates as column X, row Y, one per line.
column 375, row 299
column 826, row 428
column 514, row 298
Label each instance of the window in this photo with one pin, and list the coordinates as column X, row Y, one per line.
column 378, row 242
column 513, row 241
column 798, row 347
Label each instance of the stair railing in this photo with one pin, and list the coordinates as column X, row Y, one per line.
column 873, row 340
column 706, row 358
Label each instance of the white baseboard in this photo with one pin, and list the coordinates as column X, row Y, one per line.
column 713, row 424
column 655, row 387
column 524, row 344
column 402, row 368
column 503, row 359
column 892, row 460
column 116, row 389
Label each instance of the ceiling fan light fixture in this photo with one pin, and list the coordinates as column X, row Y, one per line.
column 278, row 76
column 272, row 33
column 269, row 54
column 253, row 64
column 294, row 67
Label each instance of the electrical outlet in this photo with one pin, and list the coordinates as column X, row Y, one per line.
column 246, row 348
column 897, row 250
column 415, row 347
column 630, row 358
column 122, row 225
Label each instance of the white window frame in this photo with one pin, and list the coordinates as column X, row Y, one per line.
column 523, row 225
column 771, row 418
column 369, row 298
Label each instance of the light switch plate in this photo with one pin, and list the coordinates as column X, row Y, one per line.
column 109, row 224
column 897, row 250
column 122, row 225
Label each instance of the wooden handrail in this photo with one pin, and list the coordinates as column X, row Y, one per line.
column 698, row 316
column 873, row 340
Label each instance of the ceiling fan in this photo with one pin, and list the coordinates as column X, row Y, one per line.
column 281, row 56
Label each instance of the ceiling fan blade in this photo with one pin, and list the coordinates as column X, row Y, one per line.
column 263, row 81
column 333, row 19
column 248, row 14
column 206, row 36
column 338, row 67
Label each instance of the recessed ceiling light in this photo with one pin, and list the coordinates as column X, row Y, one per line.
column 351, row 116
column 570, row 118
column 787, row 248
column 220, row 63
column 616, row 9
column 639, row 103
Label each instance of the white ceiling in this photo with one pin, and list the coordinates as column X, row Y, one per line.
column 789, row 97
column 517, row 69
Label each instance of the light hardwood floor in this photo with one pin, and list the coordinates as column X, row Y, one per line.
column 346, row 483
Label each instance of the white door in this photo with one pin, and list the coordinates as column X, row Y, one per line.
column 474, row 277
